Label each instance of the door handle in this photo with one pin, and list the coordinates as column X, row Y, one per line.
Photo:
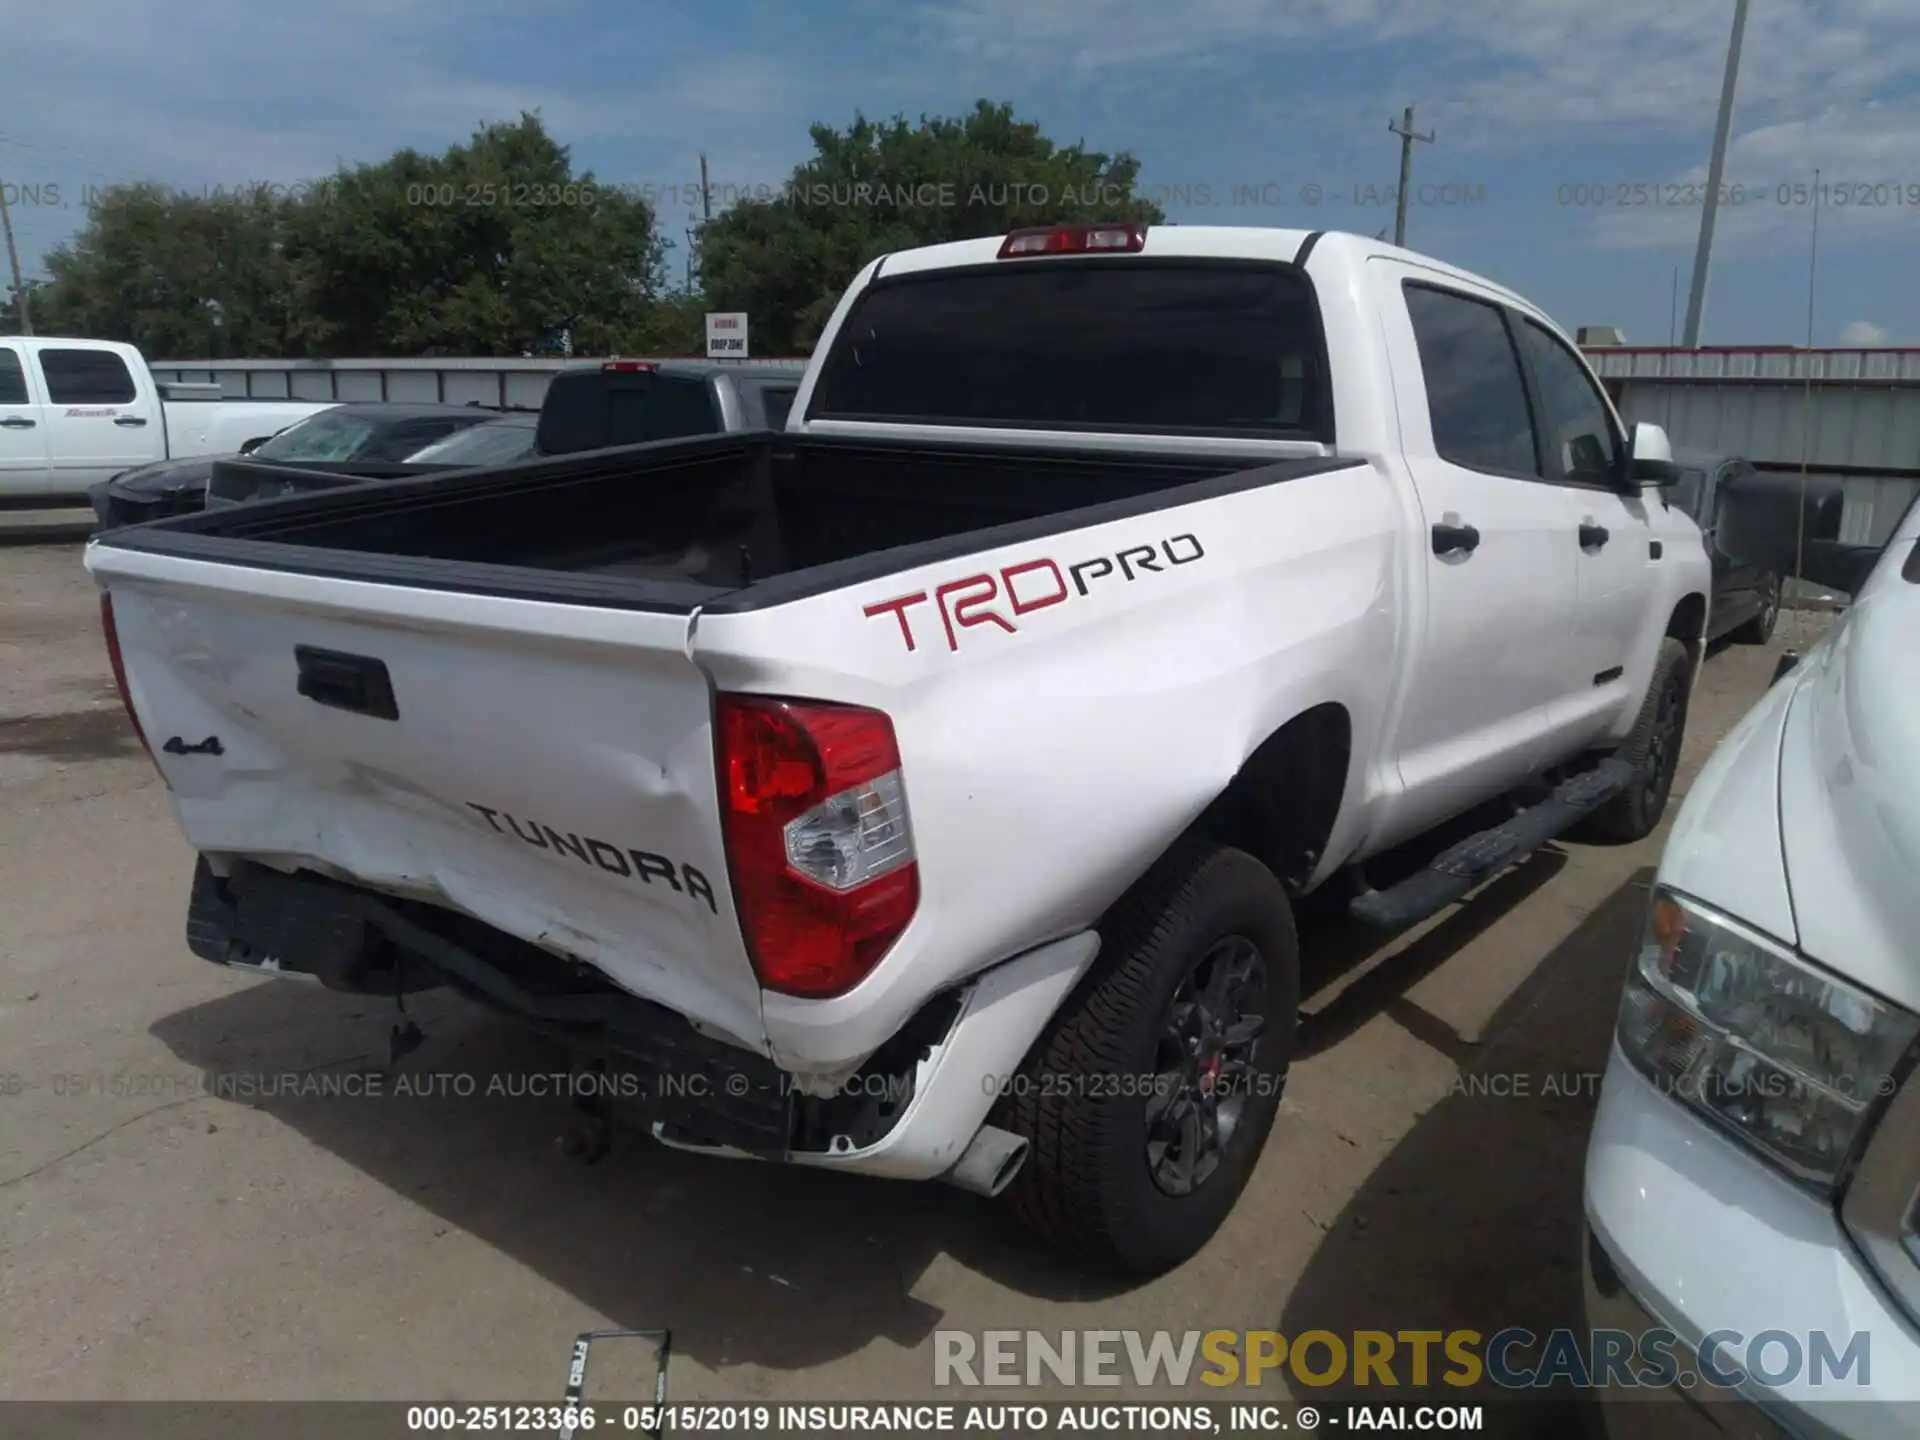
column 17, row 422
column 1450, row 538
column 1592, row 536
column 130, row 421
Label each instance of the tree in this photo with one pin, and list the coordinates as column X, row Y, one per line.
column 481, row 250
column 185, row 276
column 478, row 251
column 10, row 307
column 883, row 186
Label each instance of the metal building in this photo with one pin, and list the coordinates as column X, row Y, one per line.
column 1846, row 415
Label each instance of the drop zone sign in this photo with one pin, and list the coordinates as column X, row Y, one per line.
column 727, row 335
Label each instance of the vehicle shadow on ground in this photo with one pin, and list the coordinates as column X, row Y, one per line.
column 1333, row 946
column 1473, row 1221
column 746, row 1263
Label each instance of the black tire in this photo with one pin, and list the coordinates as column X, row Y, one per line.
column 1759, row 630
column 1653, row 748
column 1094, row 1093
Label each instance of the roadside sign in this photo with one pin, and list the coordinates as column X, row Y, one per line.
column 726, row 335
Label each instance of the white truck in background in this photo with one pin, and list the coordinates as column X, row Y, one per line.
column 924, row 790
column 76, row 412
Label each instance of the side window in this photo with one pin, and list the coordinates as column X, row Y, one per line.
column 13, row 378
column 1475, row 393
column 778, row 403
column 680, row 408
column 1581, row 441
column 86, row 377
column 1689, row 493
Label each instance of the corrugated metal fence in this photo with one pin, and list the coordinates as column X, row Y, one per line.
column 1863, row 427
column 509, row 382
column 1850, row 416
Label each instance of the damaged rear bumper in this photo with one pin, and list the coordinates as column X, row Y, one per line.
column 917, row 1109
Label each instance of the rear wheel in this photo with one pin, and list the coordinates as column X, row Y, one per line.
column 1653, row 748
column 1148, row 1101
column 1759, row 630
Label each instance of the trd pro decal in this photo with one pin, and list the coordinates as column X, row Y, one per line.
column 1000, row 597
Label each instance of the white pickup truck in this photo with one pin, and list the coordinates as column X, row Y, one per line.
column 76, row 412
column 923, row 790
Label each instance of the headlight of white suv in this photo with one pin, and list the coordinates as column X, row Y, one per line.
column 1788, row 1057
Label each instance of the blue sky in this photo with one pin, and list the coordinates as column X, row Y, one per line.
column 1530, row 99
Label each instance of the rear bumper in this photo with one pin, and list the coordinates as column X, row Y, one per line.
column 910, row 1112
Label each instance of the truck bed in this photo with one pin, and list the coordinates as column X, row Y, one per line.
column 726, row 522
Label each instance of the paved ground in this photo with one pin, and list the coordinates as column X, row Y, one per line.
column 159, row 1243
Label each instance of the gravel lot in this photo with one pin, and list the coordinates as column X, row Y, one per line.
column 158, row 1242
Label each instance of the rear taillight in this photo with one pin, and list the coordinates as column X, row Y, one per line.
column 628, row 367
column 818, row 839
column 1075, row 240
column 112, row 633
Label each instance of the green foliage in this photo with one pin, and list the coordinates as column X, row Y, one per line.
column 10, row 306
column 477, row 251
column 186, row 276
column 474, row 252
column 884, row 186
column 485, row 248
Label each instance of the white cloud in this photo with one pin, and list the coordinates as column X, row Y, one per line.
column 1863, row 333
column 1868, row 189
column 232, row 93
column 1499, row 73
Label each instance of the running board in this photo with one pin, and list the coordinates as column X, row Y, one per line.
column 1477, row 859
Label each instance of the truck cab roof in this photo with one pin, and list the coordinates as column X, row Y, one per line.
column 1224, row 242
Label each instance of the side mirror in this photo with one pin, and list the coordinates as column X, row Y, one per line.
column 1650, row 457
column 1787, row 664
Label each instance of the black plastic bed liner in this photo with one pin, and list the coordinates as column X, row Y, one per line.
column 753, row 519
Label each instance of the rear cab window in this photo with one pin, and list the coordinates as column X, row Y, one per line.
column 1131, row 345
column 594, row 409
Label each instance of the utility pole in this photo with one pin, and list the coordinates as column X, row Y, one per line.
column 1716, row 167
column 1407, row 136
column 13, row 259
column 694, row 232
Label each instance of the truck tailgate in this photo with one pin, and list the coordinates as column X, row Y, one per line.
column 548, row 769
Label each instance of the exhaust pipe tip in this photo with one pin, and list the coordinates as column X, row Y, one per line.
column 991, row 1161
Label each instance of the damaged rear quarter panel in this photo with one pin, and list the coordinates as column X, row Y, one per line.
column 1049, row 759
